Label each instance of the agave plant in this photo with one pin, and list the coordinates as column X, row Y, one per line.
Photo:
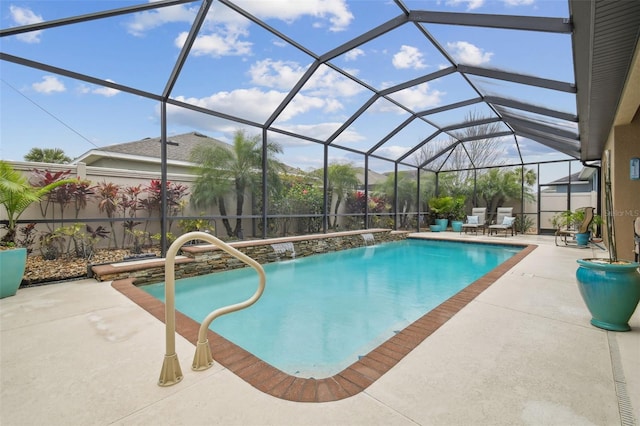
column 16, row 194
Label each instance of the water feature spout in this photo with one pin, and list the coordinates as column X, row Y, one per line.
column 281, row 249
column 368, row 239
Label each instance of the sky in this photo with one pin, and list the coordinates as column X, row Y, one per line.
column 238, row 68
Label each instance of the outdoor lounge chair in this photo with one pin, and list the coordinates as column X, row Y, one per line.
column 564, row 233
column 476, row 220
column 504, row 221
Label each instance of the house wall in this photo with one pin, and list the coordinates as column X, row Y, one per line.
column 552, row 202
column 123, row 178
column 136, row 165
column 624, row 145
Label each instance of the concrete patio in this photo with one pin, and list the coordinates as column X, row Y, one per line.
column 523, row 352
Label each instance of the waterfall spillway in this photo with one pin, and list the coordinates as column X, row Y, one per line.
column 368, row 239
column 281, row 249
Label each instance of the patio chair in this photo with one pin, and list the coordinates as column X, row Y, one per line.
column 636, row 239
column 504, row 221
column 563, row 234
column 477, row 220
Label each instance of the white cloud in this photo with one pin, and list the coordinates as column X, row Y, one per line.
column 276, row 74
column 256, row 105
column 23, row 16
column 467, row 53
column 216, row 45
column 518, row 2
column 101, row 90
column 224, row 29
column 301, row 104
column 144, row 21
column 335, row 12
column 283, row 75
column 320, row 131
column 49, row 84
column 252, row 104
column 393, row 151
column 408, row 57
column 353, row 54
column 471, row 4
column 333, row 105
column 106, row 91
column 419, row 97
column 328, row 83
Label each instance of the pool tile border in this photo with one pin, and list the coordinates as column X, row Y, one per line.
column 353, row 379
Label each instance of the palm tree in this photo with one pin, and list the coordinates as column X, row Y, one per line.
column 406, row 195
column 498, row 186
column 16, row 194
column 341, row 179
column 47, row 155
column 222, row 170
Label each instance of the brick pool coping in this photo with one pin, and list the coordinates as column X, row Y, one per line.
column 350, row 381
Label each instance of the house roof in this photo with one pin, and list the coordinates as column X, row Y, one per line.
column 374, row 178
column 574, row 178
column 179, row 148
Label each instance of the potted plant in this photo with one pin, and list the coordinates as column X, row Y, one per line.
column 441, row 208
column 16, row 194
column 572, row 221
column 458, row 213
column 577, row 217
column 610, row 287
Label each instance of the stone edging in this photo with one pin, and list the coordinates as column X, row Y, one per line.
column 207, row 258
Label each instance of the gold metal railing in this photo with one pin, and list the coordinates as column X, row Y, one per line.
column 171, row 372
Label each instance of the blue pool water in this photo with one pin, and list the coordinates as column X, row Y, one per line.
column 319, row 313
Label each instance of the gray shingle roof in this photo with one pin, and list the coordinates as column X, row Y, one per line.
column 575, row 178
column 178, row 149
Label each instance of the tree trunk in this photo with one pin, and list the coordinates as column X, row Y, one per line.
column 240, row 187
column 335, row 218
column 223, row 213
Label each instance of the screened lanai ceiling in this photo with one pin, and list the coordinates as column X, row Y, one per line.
column 402, row 82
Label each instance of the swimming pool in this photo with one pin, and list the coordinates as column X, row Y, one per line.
column 319, row 314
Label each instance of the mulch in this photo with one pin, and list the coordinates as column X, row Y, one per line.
column 41, row 271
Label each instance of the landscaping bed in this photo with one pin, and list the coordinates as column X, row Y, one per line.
column 41, row 271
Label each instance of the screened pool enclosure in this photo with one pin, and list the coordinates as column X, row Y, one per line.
column 489, row 101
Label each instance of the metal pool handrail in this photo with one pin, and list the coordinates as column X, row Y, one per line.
column 171, row 372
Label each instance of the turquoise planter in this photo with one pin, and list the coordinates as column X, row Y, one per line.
column 443, row 223
column 456, row 225
column 12, row 264
column 435, row 228
column 583, row 238
column 610, row 291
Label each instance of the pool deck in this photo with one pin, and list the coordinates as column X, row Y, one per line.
column 522, row 352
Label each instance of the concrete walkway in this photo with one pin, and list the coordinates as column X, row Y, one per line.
column 523, row 352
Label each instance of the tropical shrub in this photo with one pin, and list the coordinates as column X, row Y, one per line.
column 442, row 206
column 17, row 194
column 523, row 223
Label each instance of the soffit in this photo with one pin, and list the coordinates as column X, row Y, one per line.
column 605, row 41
